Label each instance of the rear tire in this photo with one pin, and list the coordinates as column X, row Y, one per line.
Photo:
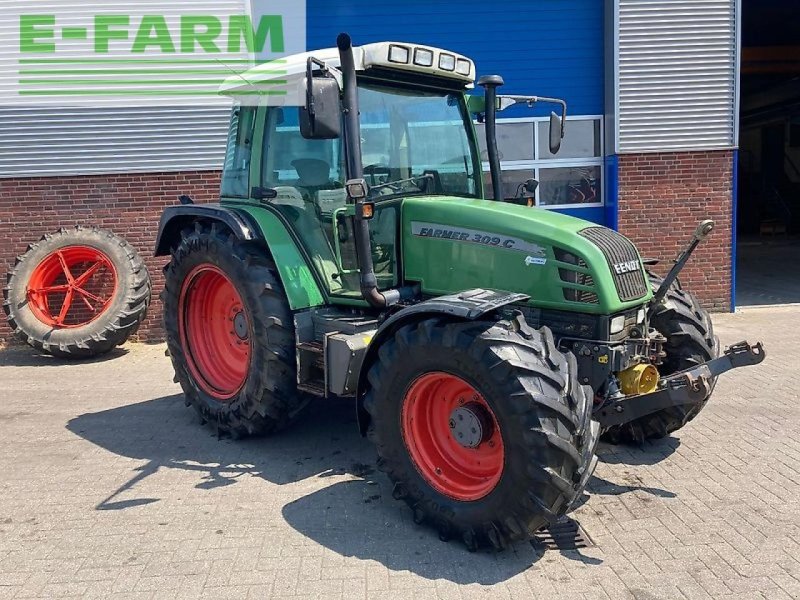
column 690, row 341
column 537, row 414
column 104, row 307
column 230, row 333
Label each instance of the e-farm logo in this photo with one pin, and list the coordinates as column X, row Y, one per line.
column 164, row 55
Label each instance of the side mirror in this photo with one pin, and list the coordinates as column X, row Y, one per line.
column 556, row 133
column 321, row 118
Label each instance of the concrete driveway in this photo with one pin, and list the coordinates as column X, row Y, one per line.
column 110, row 488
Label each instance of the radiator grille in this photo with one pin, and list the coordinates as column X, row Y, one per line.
column 618, row 249
column 571, row 276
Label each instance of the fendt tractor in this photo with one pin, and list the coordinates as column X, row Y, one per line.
column 487, row 344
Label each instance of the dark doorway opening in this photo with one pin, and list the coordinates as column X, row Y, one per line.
column 768, row 206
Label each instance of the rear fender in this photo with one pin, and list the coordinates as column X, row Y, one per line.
column 464, row 306
column 256, row 225
column 176, row 218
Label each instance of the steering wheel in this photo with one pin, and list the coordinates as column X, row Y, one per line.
column 376, row 169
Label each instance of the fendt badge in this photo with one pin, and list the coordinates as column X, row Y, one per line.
column 626, row 267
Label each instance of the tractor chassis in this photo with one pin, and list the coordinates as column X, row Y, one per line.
column 686, row 388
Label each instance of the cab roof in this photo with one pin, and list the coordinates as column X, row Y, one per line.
column 282, row 81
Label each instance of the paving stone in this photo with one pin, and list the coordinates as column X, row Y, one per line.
column 112, row 490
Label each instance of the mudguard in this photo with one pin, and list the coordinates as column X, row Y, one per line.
column 250, row 224
column 469, row 305
column 175, row 218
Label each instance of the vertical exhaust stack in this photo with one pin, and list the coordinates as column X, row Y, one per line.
column 355, row 175
column 490, row 83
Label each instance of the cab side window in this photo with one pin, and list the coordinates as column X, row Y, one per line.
column 236, row 170
column 306, row 173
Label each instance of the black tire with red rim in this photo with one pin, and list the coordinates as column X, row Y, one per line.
column 230, row 333
column 482, row 427
column 77, row 293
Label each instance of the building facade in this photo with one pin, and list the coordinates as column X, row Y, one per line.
column 650, row 149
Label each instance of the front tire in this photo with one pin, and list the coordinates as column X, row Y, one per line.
column 230, row 333
column 690, row 341
column 526, row 443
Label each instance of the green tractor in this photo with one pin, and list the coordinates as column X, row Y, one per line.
column 487, row 345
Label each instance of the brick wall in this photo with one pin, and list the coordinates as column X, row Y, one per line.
column 127, row 204
column 661, row 199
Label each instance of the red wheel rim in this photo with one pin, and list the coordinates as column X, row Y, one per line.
column 71, row 287
column 215, row 332
column 431, row 406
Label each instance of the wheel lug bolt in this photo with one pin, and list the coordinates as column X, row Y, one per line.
column 452, row 424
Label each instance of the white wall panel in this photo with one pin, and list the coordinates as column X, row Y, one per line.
column 676, row 74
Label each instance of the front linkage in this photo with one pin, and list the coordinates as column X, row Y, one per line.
column 686, row 389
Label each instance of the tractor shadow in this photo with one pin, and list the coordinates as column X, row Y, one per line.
column 324, row 442
column 357, row 517
column 646, row 454
column 650, row 452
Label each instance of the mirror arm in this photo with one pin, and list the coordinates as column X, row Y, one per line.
column 531, row 100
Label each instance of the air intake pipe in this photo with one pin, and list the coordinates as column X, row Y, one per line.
column 490, row 83
column 355, row 171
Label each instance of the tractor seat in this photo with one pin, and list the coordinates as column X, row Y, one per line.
column 314, row 174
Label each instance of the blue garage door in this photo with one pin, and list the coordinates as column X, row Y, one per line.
column 548, row 48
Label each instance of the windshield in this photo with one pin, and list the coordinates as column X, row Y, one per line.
column 412, row 143
column 415, row 142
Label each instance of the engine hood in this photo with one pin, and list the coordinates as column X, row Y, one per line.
column 561, row 262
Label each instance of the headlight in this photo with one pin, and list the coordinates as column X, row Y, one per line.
column 423, row 57
column 398, row 54
column 617, row 324
column 463, row 66
column 640, row 316
column 447, row 62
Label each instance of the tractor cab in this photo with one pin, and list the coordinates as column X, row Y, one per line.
column 288, row 148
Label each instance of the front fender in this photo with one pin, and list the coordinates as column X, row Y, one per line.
column 469, row 305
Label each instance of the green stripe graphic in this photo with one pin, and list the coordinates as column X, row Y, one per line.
column 177, row 61
column 140, row 92
column 153, row 82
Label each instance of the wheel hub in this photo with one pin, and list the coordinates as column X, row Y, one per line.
column 240, row 325
column 72, row 286
column 452, row 436
column 470, row 425
column 214, row 331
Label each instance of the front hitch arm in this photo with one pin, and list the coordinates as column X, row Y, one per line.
column 685, row 388
column 700, row 233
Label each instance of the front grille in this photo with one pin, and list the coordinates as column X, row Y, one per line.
column 571, row 276
column 617, row 250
